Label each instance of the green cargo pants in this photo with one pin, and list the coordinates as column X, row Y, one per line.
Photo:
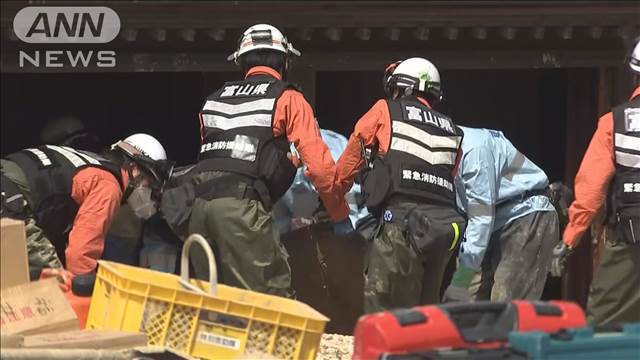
column 41, row 251
column 243, row 235
column 518, row 258
column 614, row 295
column 397, row 274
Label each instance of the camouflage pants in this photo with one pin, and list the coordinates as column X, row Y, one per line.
column 40, row 249
column 397, row 274
column 614, row 295
column 518, row 258
column 243, row 235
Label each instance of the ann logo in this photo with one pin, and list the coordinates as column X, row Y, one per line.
column 66, row 24
column 75, row 27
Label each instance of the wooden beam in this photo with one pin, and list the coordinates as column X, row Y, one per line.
column 345, row 61
column 508, row 32
column 188, row 34
column 451, row 32
column 129, row 34
column 333, row 33
column 479, row 32
column 421, row 33
column 217, row 34
column 296, row 14
column 595, row 32
column 566, row 32
column 363, row 33
column 537, row 32
column 582, row 118
column 159, row 34
column 306, row 33
column 392, row 33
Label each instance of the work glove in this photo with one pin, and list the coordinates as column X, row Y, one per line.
column 458, row 291
column 560, row 255
column 343, row 228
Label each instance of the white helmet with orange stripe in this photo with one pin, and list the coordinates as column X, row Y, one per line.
column 148, row 153
column 263, row 36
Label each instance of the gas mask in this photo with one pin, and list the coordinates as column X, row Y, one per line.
column 142, row 203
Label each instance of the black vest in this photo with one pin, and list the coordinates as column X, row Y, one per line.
column 49, row 171
column 421, row 157
column 625, row 191
column 238, row 137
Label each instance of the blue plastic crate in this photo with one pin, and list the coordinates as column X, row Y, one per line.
column 579, row 344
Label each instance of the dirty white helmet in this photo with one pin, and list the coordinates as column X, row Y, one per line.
column 634, row 61
column 147, row 152
column 416, row 74
column 263, row 36
column 143, row 144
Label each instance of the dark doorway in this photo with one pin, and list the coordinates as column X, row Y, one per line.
column 529, row 106
column 112, row 105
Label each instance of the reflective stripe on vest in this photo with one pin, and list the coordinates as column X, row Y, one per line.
column 432, row 157
column 237, row 134
column 627, row 144
column 44, row 159
column 431, row 148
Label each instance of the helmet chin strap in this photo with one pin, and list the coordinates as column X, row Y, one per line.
column 131, row 184
column 285, row 67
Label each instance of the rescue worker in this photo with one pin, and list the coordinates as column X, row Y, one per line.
column 245, row 165
column 57, row 189
column 122, row 240
column 408, row 152
column 610, row 171
column 69, row 131
column 512, row 224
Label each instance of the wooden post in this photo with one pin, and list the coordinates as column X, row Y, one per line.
column 303, row 74
column 605, row 87
column 582, row 116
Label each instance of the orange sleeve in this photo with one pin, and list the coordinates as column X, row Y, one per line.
column 592, row 181
column 294, row 117
column 98, row 194
column 373, row 126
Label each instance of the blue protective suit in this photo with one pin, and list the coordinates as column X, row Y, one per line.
column 492, row 182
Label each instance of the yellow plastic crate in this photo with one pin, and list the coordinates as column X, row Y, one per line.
column 225, row 325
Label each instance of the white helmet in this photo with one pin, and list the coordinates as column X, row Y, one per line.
column 416, row 74
column 263, row 36
column 147, row 152
column 146, row 145
column 634, row 61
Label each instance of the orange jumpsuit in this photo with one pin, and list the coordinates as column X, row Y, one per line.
column 592, row 180
column 98, row 195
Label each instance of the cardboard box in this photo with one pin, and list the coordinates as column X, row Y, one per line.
column 86, row 339
column 14, row 266
column 11, row 341
column 147, row 352
column 35, row 308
